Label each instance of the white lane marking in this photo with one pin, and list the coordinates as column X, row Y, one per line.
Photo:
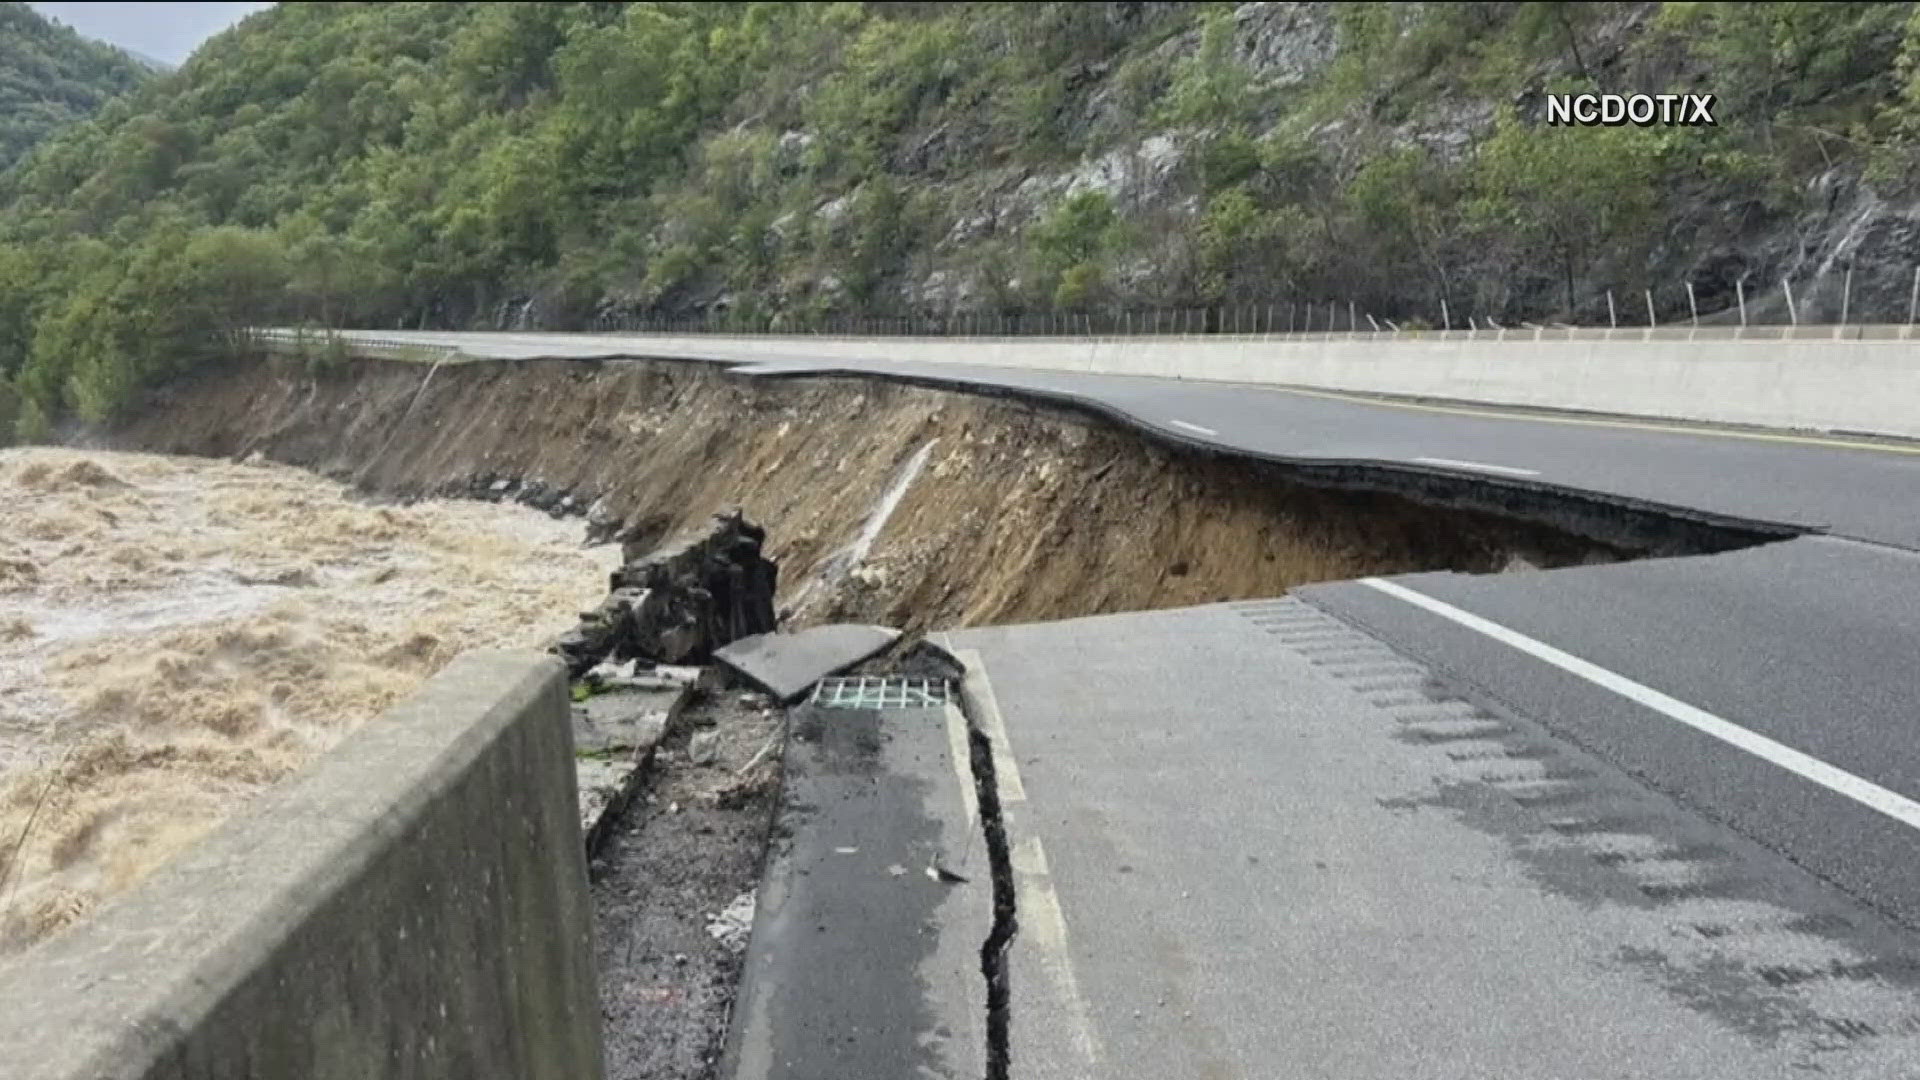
column 1865, row 792
column 960, row 750
column 1005, row 769
column 1195, row 428
column 1480, row 465
column 1042, row 919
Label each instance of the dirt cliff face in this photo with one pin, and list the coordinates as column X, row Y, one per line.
column 882, row 502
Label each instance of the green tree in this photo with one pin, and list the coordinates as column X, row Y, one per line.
column 1569, row 198
column 52, row 78
column 1210, row 87
column 1067, row 246
column 1403, row 202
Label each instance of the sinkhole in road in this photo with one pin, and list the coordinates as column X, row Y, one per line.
column 906, row 505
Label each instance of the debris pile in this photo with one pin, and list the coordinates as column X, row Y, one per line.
column 677, row 604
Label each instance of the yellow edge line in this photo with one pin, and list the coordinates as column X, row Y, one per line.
column 1581, row 421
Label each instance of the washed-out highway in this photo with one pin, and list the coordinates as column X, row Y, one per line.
column 1651, row 818
column 1296, row 726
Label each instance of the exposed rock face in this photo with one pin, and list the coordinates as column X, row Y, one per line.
column 675, row 605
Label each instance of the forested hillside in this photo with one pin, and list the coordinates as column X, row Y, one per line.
column 51, row 77
column 548, row 164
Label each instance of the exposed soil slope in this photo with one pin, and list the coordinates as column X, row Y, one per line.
column 1014, row 513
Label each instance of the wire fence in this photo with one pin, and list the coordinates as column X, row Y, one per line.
column 1824, row 305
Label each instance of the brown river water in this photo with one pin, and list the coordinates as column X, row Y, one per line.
column 176, row 634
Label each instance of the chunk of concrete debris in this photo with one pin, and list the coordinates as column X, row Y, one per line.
column 614, row 734
column 787, row 665
column 609, row 670
column 704, row 747
column 732, row 926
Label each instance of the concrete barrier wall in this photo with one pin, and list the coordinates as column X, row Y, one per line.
column 413, row 905
column 1867, row 381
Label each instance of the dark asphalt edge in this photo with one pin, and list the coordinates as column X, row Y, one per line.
column 1642, row 525
column 1621, row 520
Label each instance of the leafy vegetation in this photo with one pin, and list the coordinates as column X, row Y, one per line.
column 778, row 164
column 51, row 77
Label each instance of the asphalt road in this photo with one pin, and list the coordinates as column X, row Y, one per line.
column 862, row 963
column 1767, row 695
column 1252, row 842
column 1810, row 643
column 1848, row 487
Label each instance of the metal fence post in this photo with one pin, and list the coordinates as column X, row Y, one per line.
column 1740, row 293
column 1613, row 318
column 1446, row 320
column 1651, row 323
column 1353, row 324
column 1693, row 306
column 1846, row 302
column 1793, row 313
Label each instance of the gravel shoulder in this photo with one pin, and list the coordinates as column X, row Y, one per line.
column 668, row 886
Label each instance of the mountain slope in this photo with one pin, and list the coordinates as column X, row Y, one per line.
column 494, row 164
column 51, row 77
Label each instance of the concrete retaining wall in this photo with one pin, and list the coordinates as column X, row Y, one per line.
column 1863, row 379
column 413, row 905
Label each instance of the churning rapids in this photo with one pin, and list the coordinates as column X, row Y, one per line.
column 178, row 633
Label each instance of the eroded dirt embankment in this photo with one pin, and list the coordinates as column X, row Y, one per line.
column 995, row 511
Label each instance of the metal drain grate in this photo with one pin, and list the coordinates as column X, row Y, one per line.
column 879, row 692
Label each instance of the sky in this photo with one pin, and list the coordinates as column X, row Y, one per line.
column 163, row 31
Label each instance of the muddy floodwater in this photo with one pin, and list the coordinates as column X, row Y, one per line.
column 176, row 634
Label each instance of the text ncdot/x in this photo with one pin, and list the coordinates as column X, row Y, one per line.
column 1618, row 110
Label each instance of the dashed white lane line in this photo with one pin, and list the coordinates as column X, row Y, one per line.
column 1478, row 465
column 1195, row 428
column 1806, row 766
